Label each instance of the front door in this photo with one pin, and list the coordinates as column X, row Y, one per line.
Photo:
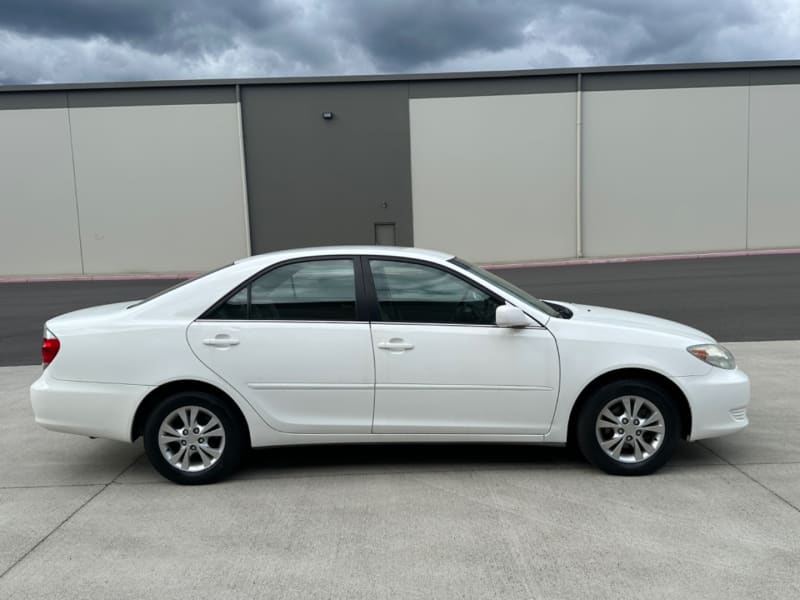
column 443, row 366
column 290, row 342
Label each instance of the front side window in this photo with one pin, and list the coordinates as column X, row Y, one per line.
column 316, row 290
column 414, row 293
column 506, row 286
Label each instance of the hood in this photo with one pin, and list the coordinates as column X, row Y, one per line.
column 81, row 318
column 624, row 318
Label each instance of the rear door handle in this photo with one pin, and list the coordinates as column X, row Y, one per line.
column 396, row 345
column 221, row 341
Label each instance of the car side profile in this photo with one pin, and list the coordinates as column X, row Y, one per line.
column 378, row 344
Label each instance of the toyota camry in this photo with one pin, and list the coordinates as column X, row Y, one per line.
column 378, row 344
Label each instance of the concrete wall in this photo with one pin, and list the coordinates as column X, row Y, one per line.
column 151, row 178
column 493, row 177
column 697, row 163
column 114, row 182
column 38, row 221
column 159, row 187
column 774, row 186
column 664, row 170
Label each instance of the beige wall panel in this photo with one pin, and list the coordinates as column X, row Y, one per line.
column 664, row 170
column 159, row 187
column 38, row 221
column 774, row 192
column 493, row 177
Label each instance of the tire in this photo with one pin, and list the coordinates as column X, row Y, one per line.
column 206, row 440
column 628, row 427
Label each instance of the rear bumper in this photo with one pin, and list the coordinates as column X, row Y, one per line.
column 718, row 402
column 103, row 410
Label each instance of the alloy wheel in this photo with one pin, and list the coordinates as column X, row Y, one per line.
column 630, row 429
column 191, row 439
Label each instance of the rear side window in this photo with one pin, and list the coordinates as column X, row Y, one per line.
column 414, row 293
column 235, row 308
column 316, row 290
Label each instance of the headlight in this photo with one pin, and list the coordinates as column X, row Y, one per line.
column 714, row 354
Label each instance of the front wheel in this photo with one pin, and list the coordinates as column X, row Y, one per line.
column 193, row 438
column 628, row 428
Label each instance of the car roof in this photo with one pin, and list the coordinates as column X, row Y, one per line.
column 280, row 255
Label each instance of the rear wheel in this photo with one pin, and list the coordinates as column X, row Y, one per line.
column 193, row 438
column 628, row 428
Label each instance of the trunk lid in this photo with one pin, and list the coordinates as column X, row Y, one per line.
column 78, row 319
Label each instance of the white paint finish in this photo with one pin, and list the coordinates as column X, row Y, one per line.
column 597, row 340
column 503, row 166
column 774, row 189
column 301, row 377
column 85, row 408
column 315, row 381
column 159, row 187
column 718, row 402
column 664, row 170
column 464, row 379
column 38, row 224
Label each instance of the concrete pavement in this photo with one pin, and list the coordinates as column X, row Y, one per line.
column 89, row 518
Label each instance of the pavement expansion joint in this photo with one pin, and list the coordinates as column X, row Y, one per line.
column 103, row 487
column 49, row 485
column 56, row 528
column 126, row 469
column 751, row 478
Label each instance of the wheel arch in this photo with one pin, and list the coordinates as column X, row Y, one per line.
column 151, row 400
column 681, row 402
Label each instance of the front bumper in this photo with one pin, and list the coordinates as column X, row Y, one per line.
column 103, row 410
column 718, row 402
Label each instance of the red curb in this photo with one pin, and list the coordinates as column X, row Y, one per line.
column 633, row 259
column 127, row 277
column 517, row 265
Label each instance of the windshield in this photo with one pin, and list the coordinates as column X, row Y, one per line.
column 505, row 286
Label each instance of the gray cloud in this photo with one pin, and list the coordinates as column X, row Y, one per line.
column 401, row 35
column 101, row 40
column 630, row 31
column 160, row 25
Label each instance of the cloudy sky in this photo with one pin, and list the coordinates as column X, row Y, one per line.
column 113, row 40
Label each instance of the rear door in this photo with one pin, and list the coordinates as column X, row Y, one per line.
column 294, row 344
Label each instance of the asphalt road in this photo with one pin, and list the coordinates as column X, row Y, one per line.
column 747, row 298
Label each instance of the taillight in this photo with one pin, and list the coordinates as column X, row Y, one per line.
column 50, row 346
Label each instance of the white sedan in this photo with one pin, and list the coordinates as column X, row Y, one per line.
column 373, row 344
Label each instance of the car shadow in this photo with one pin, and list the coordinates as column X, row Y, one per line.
column 337, row 459
column 326, row 458
column 320, row 460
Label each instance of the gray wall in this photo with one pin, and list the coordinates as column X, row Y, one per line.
column 496, row 168
column 116, row 182
column 494, row 176
column 166, row 193
column 38, row 219
column 313, row 181
column 670, row 163
column 664, row 170
column 774, row 177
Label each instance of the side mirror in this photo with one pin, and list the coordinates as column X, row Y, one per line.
column 511, row 316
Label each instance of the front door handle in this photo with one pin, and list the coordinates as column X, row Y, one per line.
column 395, row 345
column 221, row 341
